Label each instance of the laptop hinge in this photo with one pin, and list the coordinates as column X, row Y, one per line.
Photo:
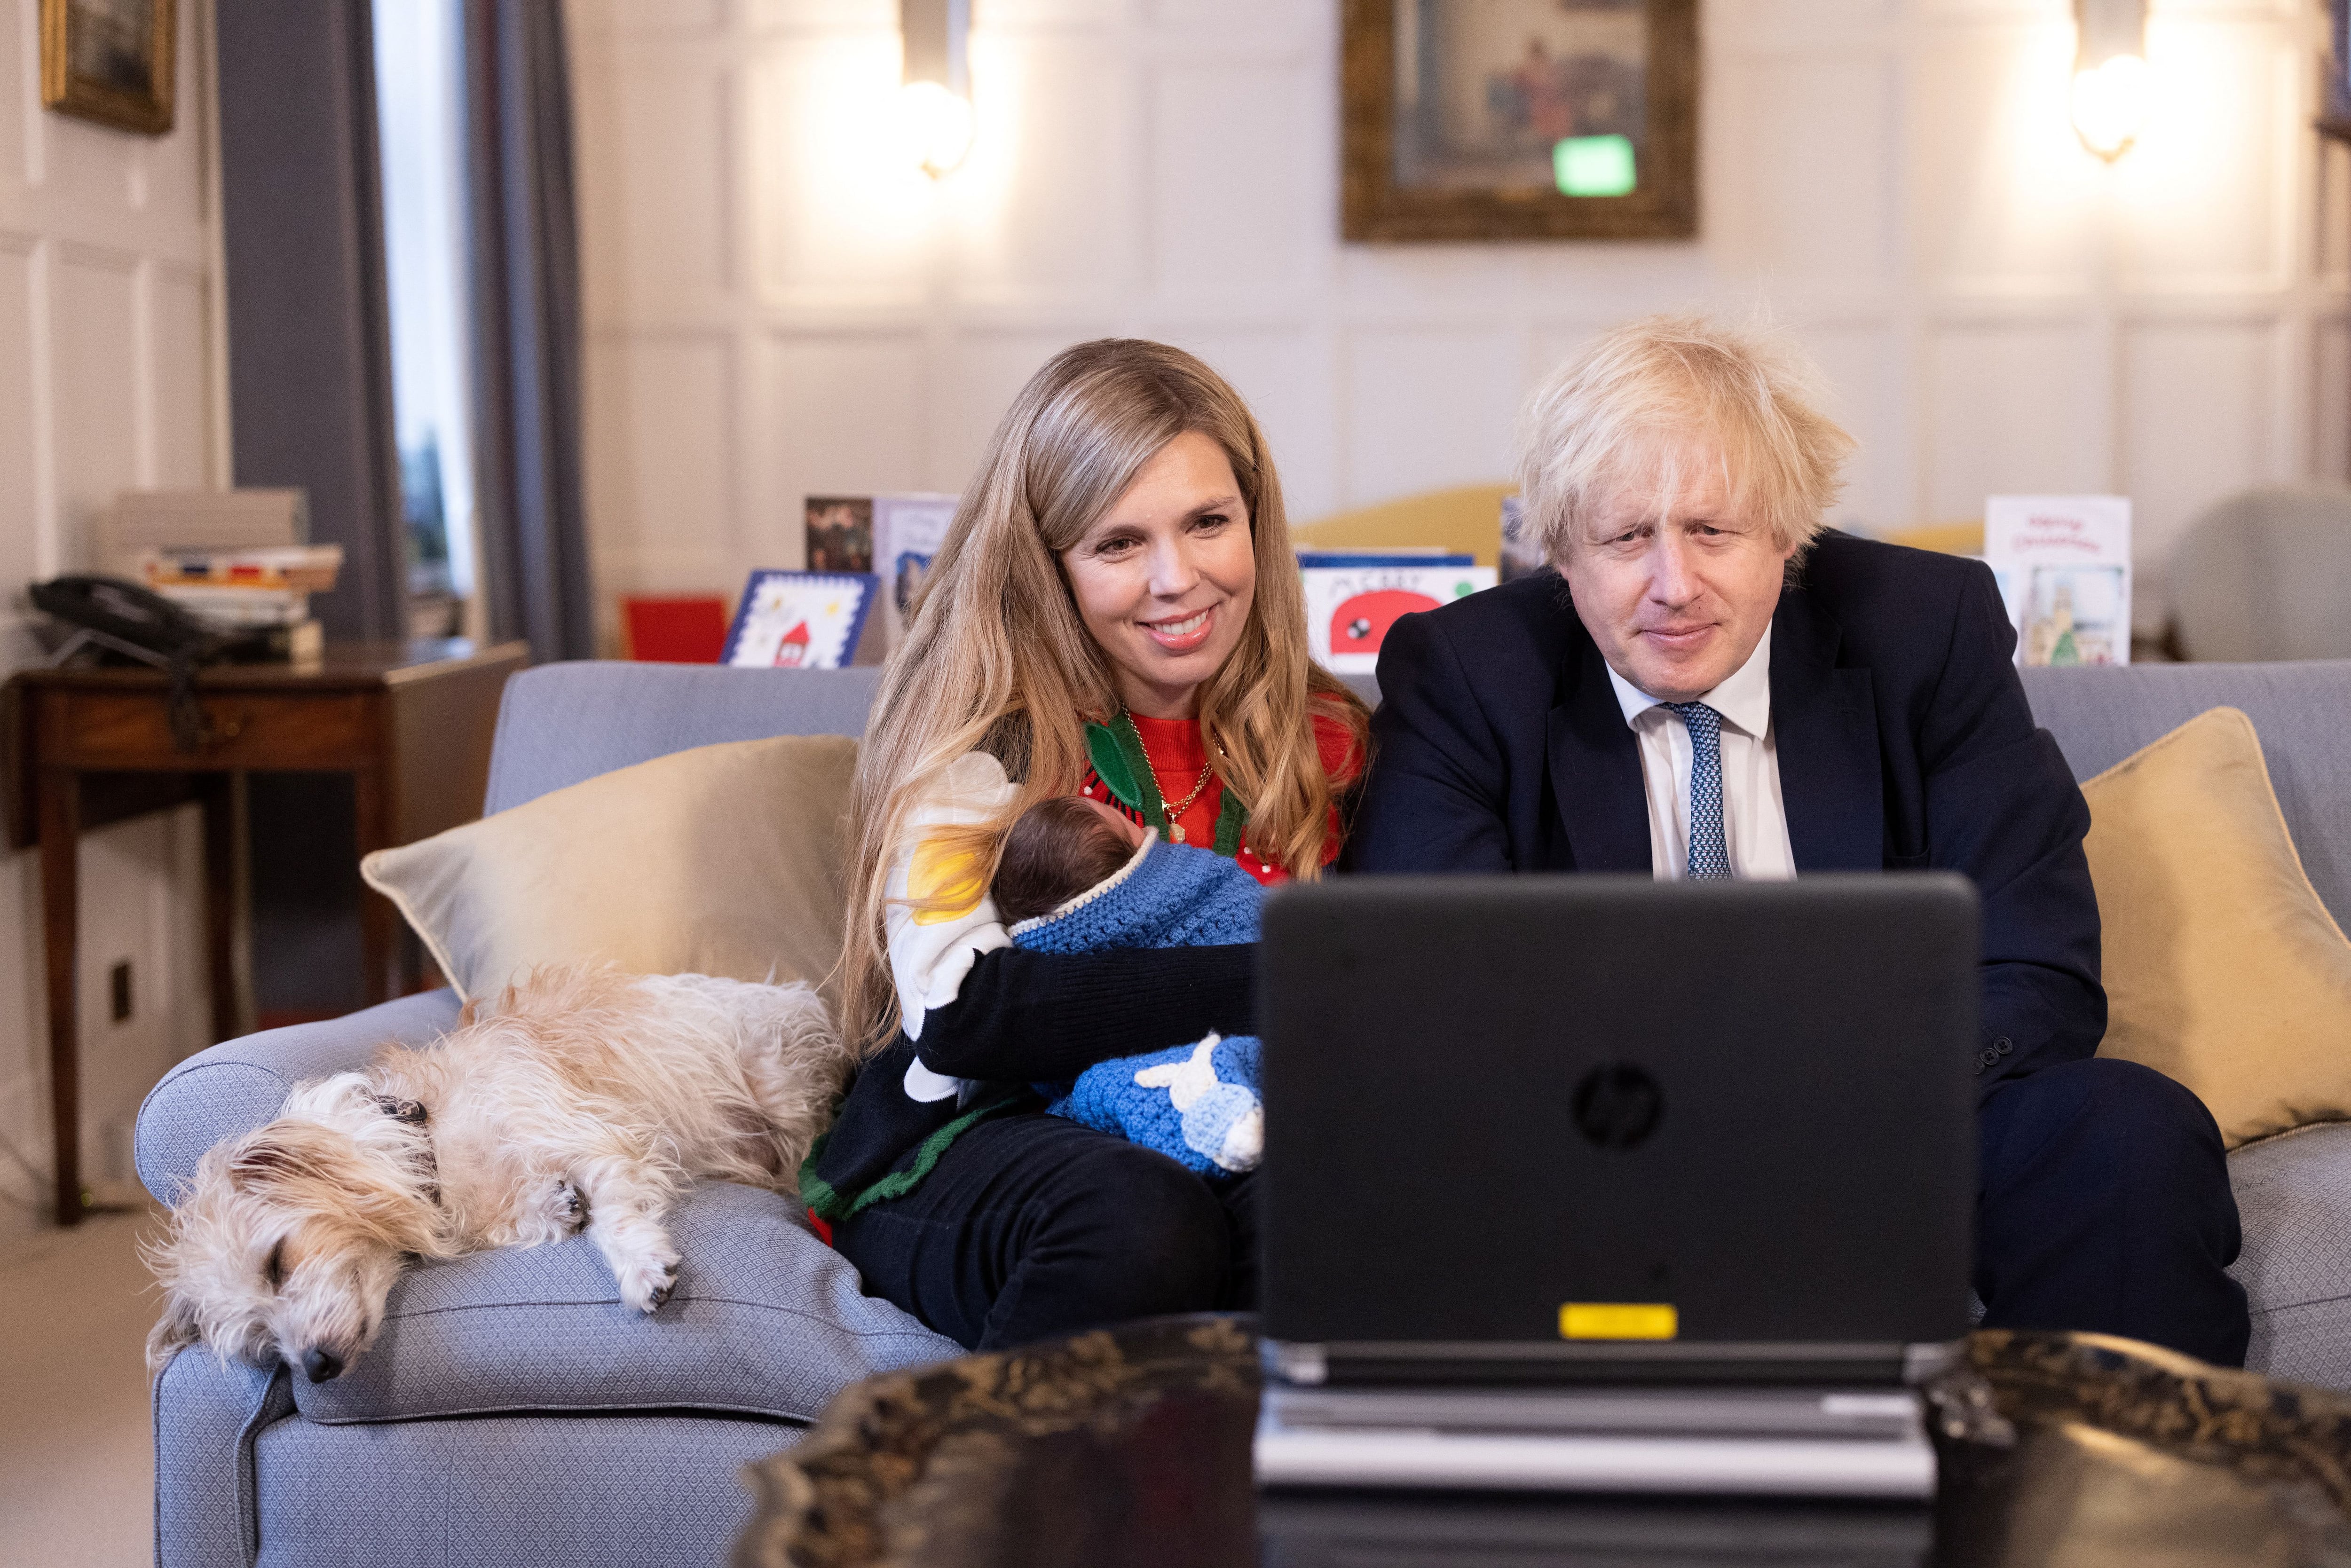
column 1302, row 1363
column 1311, row 1364
column 1785, row 1442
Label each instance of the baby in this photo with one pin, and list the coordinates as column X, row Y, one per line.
column 1056, row 849
column 1076, row 877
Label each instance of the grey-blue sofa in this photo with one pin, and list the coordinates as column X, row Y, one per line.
column 513, row 1414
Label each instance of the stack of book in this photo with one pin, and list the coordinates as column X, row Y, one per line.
column 235, row 559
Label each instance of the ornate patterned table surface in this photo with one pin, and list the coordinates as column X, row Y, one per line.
column 1132, row 1447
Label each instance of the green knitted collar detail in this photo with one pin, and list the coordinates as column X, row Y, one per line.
column 1230, row 818
column 1120, row 761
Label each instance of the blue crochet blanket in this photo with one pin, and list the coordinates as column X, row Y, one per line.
column 1196, row 1103
column 1176, row 895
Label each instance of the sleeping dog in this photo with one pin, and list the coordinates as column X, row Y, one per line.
column 586, row 1099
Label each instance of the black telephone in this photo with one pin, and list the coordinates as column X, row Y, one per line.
column 127, row 619
column 123, row 618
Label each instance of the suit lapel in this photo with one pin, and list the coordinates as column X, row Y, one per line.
column 1596, row 767
column 1825, row 726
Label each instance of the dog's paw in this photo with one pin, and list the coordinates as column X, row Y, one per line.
column 648, row 1282
column 568, row 1208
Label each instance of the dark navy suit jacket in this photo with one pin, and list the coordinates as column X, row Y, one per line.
column 1903, row 742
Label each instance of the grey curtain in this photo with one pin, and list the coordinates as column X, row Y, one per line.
column 527, row 327
column 310, row 372
column 309, row 354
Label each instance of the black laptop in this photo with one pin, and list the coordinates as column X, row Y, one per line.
column 1593, row 1153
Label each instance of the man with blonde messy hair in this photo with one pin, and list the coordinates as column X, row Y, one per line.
column 1710, row 684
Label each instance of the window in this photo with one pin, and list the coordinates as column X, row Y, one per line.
column 420, row 120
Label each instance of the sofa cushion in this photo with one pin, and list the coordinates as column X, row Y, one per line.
column 767, row 1321
column 724, row 860
column 2293, row 1199
column 2100, row 713
column 2222, row 969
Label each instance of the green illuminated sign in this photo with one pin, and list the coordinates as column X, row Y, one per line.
column 1593, row 166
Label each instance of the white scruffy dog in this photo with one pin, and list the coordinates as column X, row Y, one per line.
column 587, row 1099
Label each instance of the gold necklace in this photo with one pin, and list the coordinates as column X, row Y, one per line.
column 1174, row 828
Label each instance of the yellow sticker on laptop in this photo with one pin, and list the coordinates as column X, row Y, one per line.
column 1618, row 1320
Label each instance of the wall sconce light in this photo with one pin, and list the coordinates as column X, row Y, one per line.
column 2110, row 74
column 935, row 105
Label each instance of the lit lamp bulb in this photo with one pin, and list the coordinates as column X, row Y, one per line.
column 2110, row 105
column 934, row 122
column 2111, row 81
column 933, row 126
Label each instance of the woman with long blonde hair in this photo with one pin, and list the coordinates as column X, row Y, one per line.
column 1115, row 613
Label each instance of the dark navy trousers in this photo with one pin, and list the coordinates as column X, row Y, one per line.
column 1032, row 1226
column 2103, row 1205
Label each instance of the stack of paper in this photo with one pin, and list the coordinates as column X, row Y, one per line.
column 303, row 568
column 237, row 559
column 203, row 519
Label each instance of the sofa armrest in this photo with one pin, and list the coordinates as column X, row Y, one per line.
column 208, row 1413
column 239, row 1085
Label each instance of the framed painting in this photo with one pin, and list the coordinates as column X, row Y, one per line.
column 109, row 60
column 1465, row 120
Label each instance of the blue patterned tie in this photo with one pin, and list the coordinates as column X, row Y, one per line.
column 1709, row 856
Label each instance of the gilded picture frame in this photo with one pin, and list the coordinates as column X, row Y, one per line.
column 111, row 61
column 1486, row 120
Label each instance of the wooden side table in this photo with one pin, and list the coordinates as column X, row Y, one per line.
column 411, row 722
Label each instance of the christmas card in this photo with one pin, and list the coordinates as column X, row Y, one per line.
column 801, row 620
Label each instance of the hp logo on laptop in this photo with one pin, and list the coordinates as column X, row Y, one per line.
column 1616, row 1105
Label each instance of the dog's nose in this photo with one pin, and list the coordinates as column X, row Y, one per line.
column 322, row 1365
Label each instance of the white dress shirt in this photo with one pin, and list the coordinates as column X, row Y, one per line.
column 1755, row 818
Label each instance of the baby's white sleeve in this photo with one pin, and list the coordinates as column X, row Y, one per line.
column 931, row 950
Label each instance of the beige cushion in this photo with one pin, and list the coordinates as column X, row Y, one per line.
column 2223, row 970
column 724, row 860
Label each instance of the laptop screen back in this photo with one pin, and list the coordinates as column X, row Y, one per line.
column 1591, row 1115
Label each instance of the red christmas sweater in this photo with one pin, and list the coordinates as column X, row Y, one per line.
column 1169, row 762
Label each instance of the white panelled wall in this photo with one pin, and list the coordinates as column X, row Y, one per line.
column 110, row 380
column 780, row 304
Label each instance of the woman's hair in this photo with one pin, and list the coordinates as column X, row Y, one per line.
column 1059, row 847
column 1634, row 409
column 996, row 657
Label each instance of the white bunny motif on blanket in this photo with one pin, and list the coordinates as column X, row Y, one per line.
column 1197, row 1103
column 1223, row 1121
